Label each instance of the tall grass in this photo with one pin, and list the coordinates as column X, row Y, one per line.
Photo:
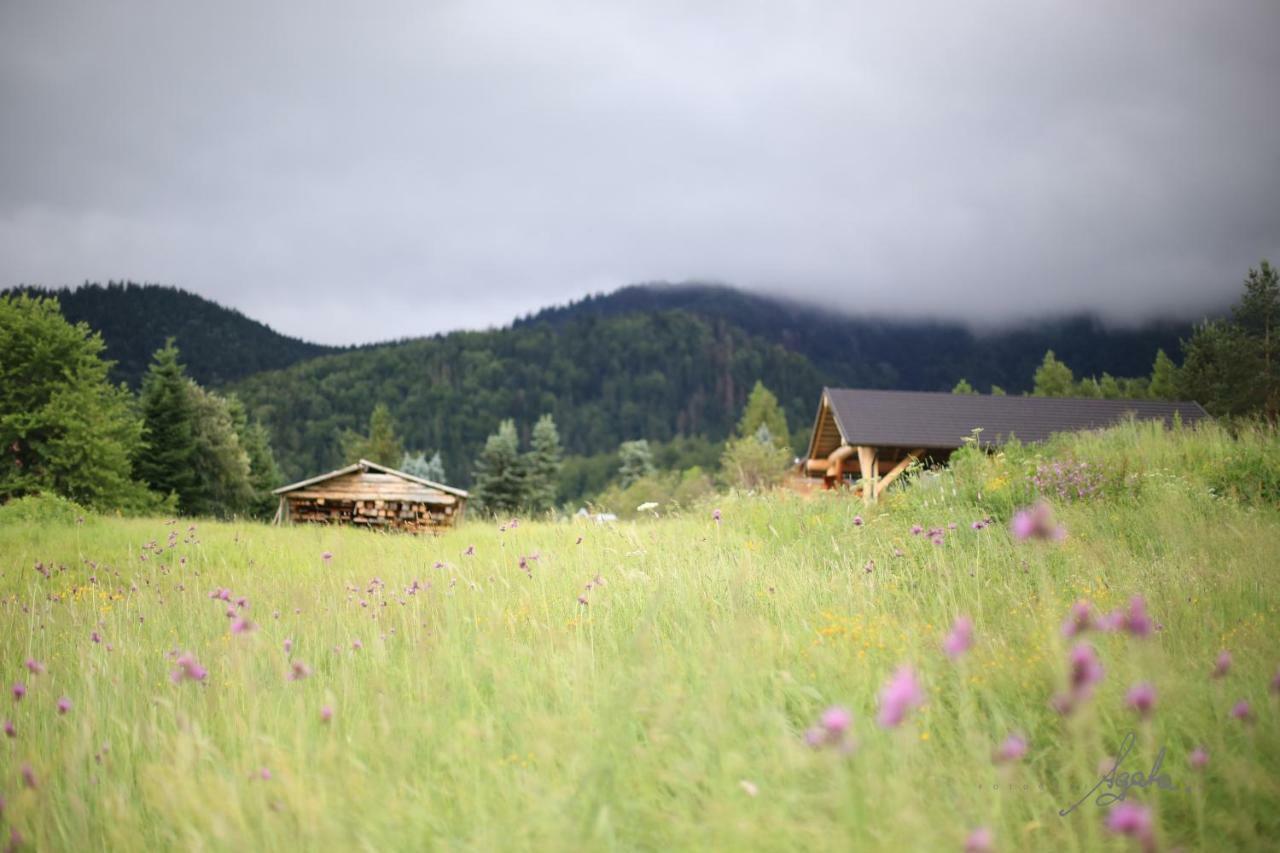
column 490, row 709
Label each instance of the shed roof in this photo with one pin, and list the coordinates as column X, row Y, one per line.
column 938, row 420
column 366, row 465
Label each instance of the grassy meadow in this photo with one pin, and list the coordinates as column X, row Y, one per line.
column 648, row 685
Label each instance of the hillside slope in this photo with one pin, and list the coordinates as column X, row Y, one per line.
column 218, row 344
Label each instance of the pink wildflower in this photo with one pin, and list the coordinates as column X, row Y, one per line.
column 1036, row 523
column 95, row 636
column 326, row 714
column 1142, row 698
column 1199, row 758
column 899, row 697
column 1013, row 749
column 34, row 666
column 857, row 521
column 264, row 774
column 1133, row 820
column 832, row 730
column 980, row 840
column 64, row 705
column 1222, row 665
column 29, row 776
column 1080, row 619
column 19, row 690
column 9, row 729
column 189, row 669
column 326, row 556
column 916, row 530
column 242, row 626
column 298, row 671
column 1242, row 712
column 715, row 515
column 1086, row 670
column 960, row 639
column 288, row 645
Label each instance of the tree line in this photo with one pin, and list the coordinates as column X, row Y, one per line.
column 67, row 429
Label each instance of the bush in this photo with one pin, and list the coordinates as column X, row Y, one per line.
column 44, row 508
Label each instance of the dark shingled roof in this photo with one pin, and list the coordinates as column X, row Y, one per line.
column 942, row 420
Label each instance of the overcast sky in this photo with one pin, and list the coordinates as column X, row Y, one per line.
column 357, row 171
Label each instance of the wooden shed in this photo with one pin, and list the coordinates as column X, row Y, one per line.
column 867, row 438
column 374, row 496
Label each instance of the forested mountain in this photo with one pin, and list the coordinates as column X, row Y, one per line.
column 897, row 353
column 218, row 344
column 654, row 362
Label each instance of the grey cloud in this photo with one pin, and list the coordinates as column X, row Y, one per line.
column 454, row 164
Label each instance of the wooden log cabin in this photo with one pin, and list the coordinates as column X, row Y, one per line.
column 866, row 439
column 372, row 496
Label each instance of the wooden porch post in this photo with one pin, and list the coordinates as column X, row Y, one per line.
column 867, row 464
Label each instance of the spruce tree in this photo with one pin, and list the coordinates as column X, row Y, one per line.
column 419, row 465
column 500, row 480
column 264, row 473
column 963, row 387
column 165, row 462
column 381, row 445
column 1164, row 378
column 220, row 464
column 762, row 408
column 1053, row 378
column 636, row 461
column 543, row 464
column 64, row 428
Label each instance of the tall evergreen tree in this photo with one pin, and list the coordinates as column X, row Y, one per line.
column 166, row 459
column 500, row 480
column 636, row 461
column 1053, row 378
column 419, row 465
column 63, row 427
column 762, row 408
column 264, row 473
column 380, row 445
column 963, row 387
column 221, row 465
column 544, row 460
column 1164, row 378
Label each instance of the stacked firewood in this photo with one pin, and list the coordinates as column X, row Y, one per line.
column 401, row 515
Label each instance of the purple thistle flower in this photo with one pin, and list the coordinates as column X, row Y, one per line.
column 1242, row 712
column 832, row 730
column 64, row 705
column 356, row 645
column 1222, row 665
column 242, row 626
column 1086, row 670
column 95, row 636
column 899, row 697
column 470, row 552
column 1079, row 620
column 264, row 774
column 10, row 729
column 1135, row 621
column 857, row 521
column 19, row 690
column 288, row 645
column 1013, row 749
column 1133, row 820
column 582, row 599
column 960, row 639
column 1142, row 698
column 916, row 530
column 326, row 556
column 980, row 840
column 189, row 669
column 242, row 602
column 326, row 714
column 1199, row 758
column 29, row 777
column 34, row 666
column 978, row 525
column 1036, row 523
column 298, row 671
column 715, row 515
column 836, row 720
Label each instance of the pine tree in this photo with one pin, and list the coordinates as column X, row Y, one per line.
column 419, row 465
column 264, row 473
column 543, row 464
column 381, row 445
column 636, row 461
column 762, row 408
column 997, row 391
column 223, row 488
column 1109, row 387
column 1164, row 378
column 501, row 482
column 963, row 387
column 165, row 462
column 1053, row 378
column 63, row 427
